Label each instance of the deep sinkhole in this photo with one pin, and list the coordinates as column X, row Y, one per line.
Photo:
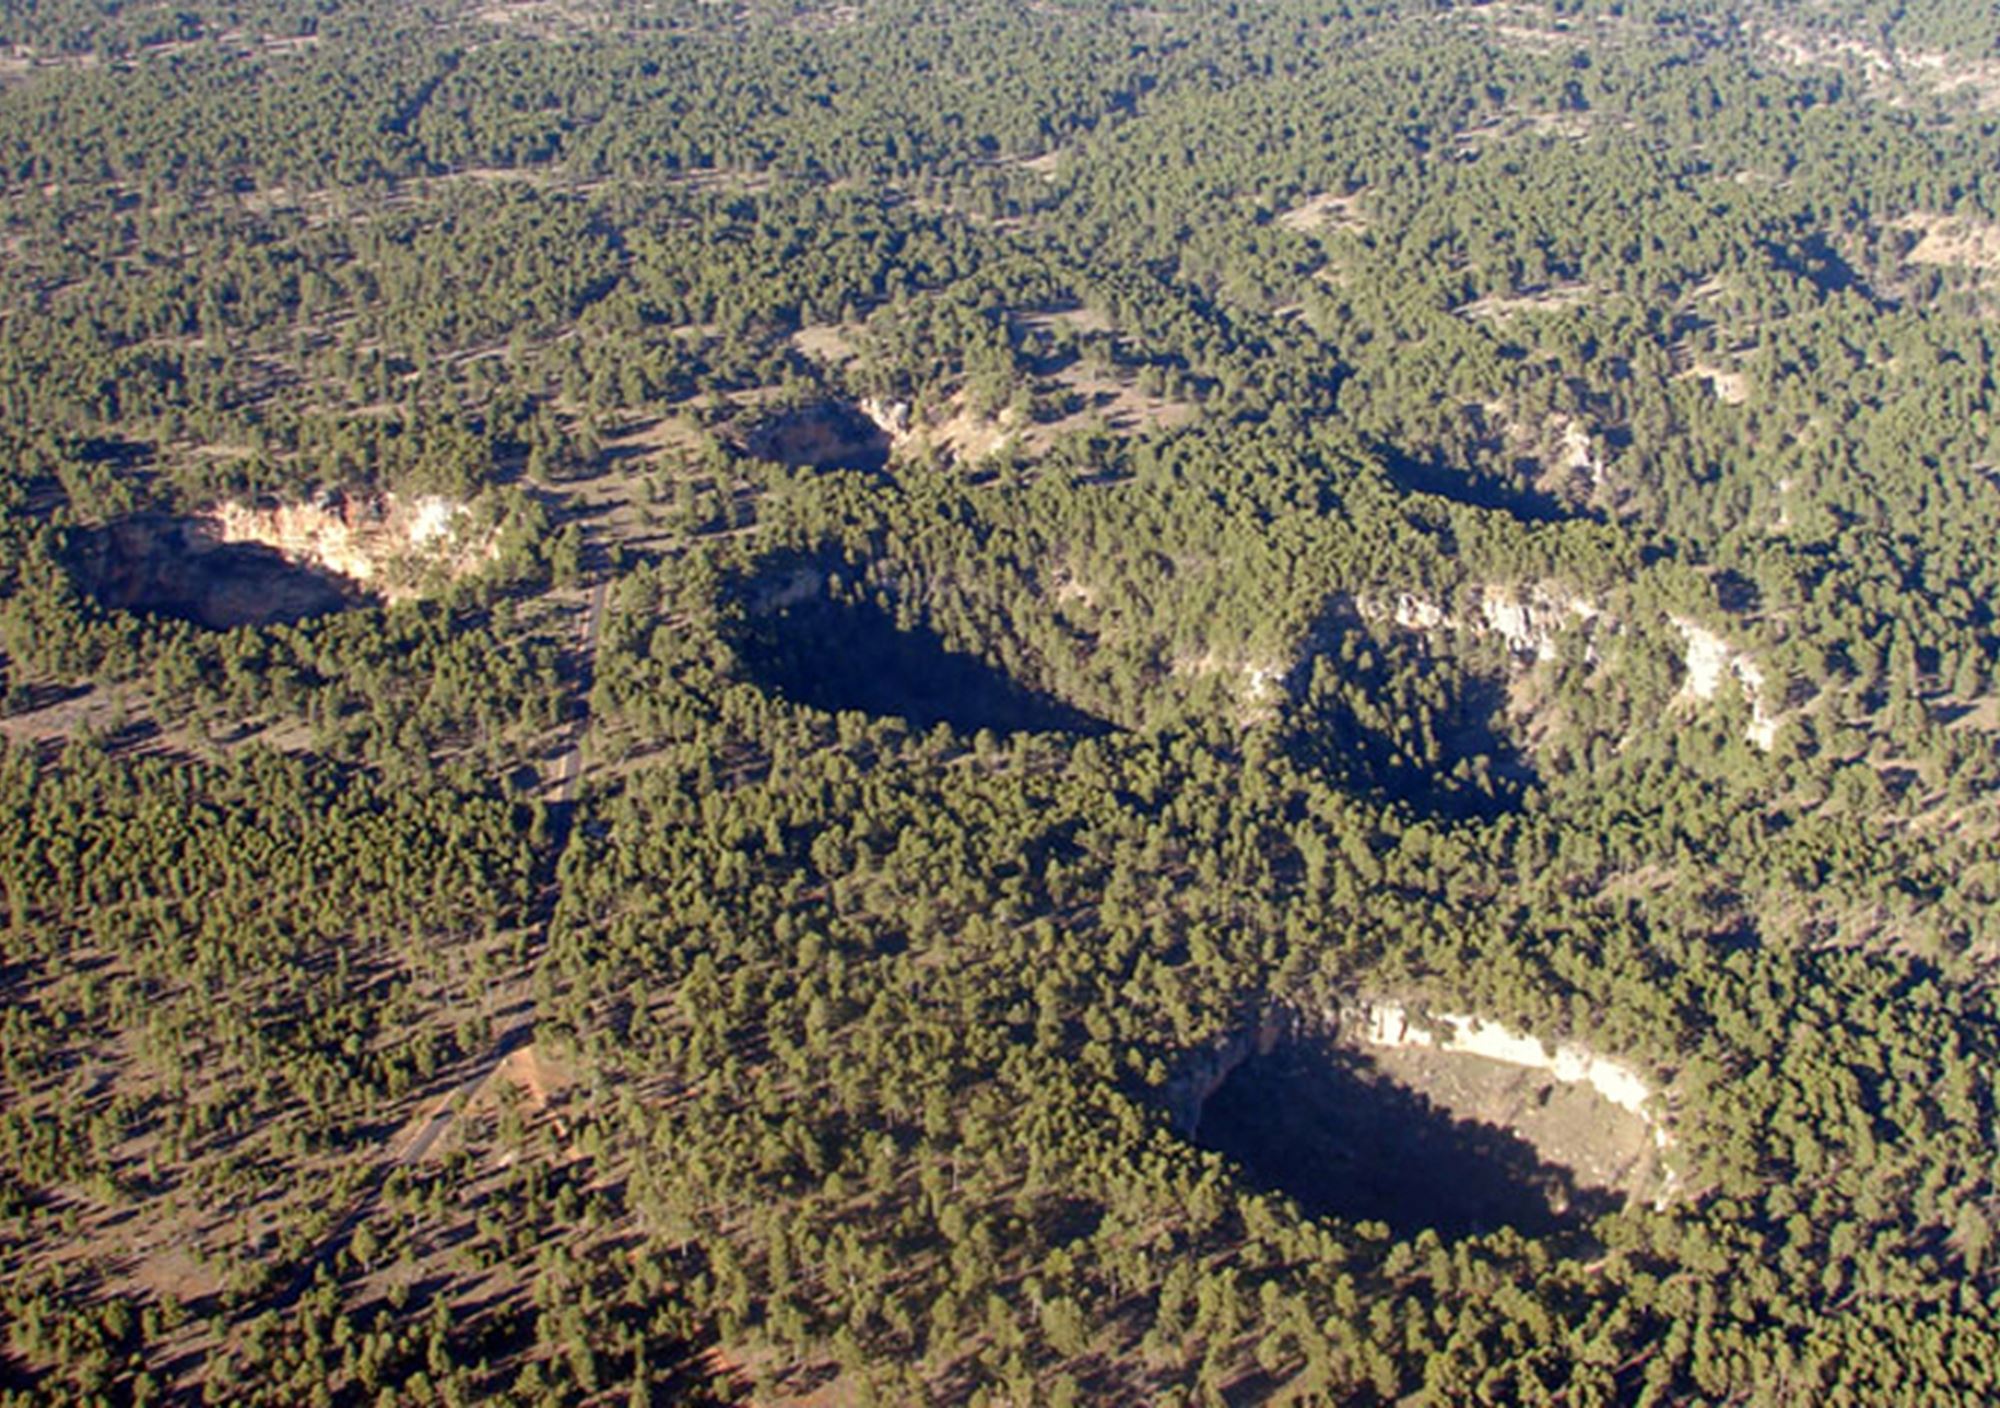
column 829, row 434
column 1449, row 1141
column 175, row 567
column 838, row 653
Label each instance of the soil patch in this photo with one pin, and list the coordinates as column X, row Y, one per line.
column 830, row 344
column 1325, row 211
column 1550, row 298
column 1953, row 242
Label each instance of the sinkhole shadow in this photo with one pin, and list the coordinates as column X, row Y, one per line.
column 1814, row 260
column 837, row 654
column 825, row 435
column 1389, row 718
column 1319, row 1123
column 1524, row 504
column 160, row 565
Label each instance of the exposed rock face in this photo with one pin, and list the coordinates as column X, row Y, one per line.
column 1530, row 621
column 1413, row 613
column 1334, row 1105
column 1527, row 620
column 1390, row 1024
column 242, row 564
column 953, row 432
column 1577, row 458
column 1199, row 1078
column 892, row 418
column 1709, row 660
column 1461, row 1059
column 182, row 568
column 382, row 543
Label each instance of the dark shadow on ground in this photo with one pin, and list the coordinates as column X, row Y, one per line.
column 174, row 567
column 1813, row 259
column 1414, row 475
column 1318, row 1123
column 829, row 435
column 853, row 655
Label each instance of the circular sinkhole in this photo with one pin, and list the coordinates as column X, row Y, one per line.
column 805, row 633
column 826, row 434
column 178, row 567
column 1457, row 1126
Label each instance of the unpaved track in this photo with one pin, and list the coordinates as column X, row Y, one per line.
column 568, row 771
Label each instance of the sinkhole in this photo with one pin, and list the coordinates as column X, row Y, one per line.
column 176, row 567
column 1418, row 1137
column 827, row 434
column 808, row 641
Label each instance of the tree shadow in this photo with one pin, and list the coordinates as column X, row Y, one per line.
column 1320, row 1124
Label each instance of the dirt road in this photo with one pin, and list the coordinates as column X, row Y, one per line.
column 567, row 773
column 568, row 769
column 571, row 766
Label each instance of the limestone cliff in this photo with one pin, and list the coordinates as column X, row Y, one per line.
column 387, row 544
column 1528, row 620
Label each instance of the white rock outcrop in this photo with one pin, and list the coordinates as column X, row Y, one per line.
column 892, row 418
column 1709, row 660
column 1413, row 613
column 1527, row 620
column 1578, row 456
column 1530, row 622
column 382, row 542
column 1390, row 1024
